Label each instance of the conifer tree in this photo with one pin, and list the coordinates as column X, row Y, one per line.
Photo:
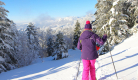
column 76, row 34
column 50, row 48
column 7, row 41
column 23, row 52
column 32, row 39
column 124, row 19
column 103, row 15
column 59, row 46
column 115, row 18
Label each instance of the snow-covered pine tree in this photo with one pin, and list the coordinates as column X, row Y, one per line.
column 33, row 40
column 135, row 28
column 7, row 41
column 59, row 46
column 43, row 36
column 123, row 20
column 103, row 15
column 76, row 34
column 23, row 52
column 31, row 32
column 115, row 18
column 65, row 50
column 50, row 48
column 68, row 36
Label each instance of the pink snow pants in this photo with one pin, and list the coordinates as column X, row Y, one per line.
column 88, row 69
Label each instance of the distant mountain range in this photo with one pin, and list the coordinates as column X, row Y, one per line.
column 57, row 22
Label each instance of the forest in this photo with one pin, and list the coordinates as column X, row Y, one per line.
column 18, row 48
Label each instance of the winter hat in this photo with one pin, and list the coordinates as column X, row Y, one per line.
column 88, row 26
column 88, row 22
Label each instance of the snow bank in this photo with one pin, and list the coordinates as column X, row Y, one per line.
column 63, row 69
column 125, row 56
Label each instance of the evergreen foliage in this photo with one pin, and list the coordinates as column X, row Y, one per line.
column 33, row 43
column 8, row 36
column 60, row 46
column 115, row 18
column 23, row 52
column 50, row 48
column 43, row 43
column 76, row 34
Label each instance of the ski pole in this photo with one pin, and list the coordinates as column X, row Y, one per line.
column 78, row 69
column 112, row 60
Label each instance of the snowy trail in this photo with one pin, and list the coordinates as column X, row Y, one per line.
column 125, row 56
column 100, row 72
column 64, row 69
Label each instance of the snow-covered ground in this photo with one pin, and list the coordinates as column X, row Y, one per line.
column 64, row 69
column 125, row 56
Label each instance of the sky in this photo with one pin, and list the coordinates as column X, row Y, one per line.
column 29, row 10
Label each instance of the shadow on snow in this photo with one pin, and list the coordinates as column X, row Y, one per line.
column 38, row 70
column 118, row 61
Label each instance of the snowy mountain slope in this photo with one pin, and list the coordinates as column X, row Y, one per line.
column 64, row 69
column 57, row 23
column 125, row 56
column 52, row 22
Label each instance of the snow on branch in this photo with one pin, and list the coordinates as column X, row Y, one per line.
column 2, row 3
column 3, row 9
column 114, row 3
column 111, row 20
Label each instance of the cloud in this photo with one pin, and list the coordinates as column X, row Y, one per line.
column 45, row 20
column 44, row 17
